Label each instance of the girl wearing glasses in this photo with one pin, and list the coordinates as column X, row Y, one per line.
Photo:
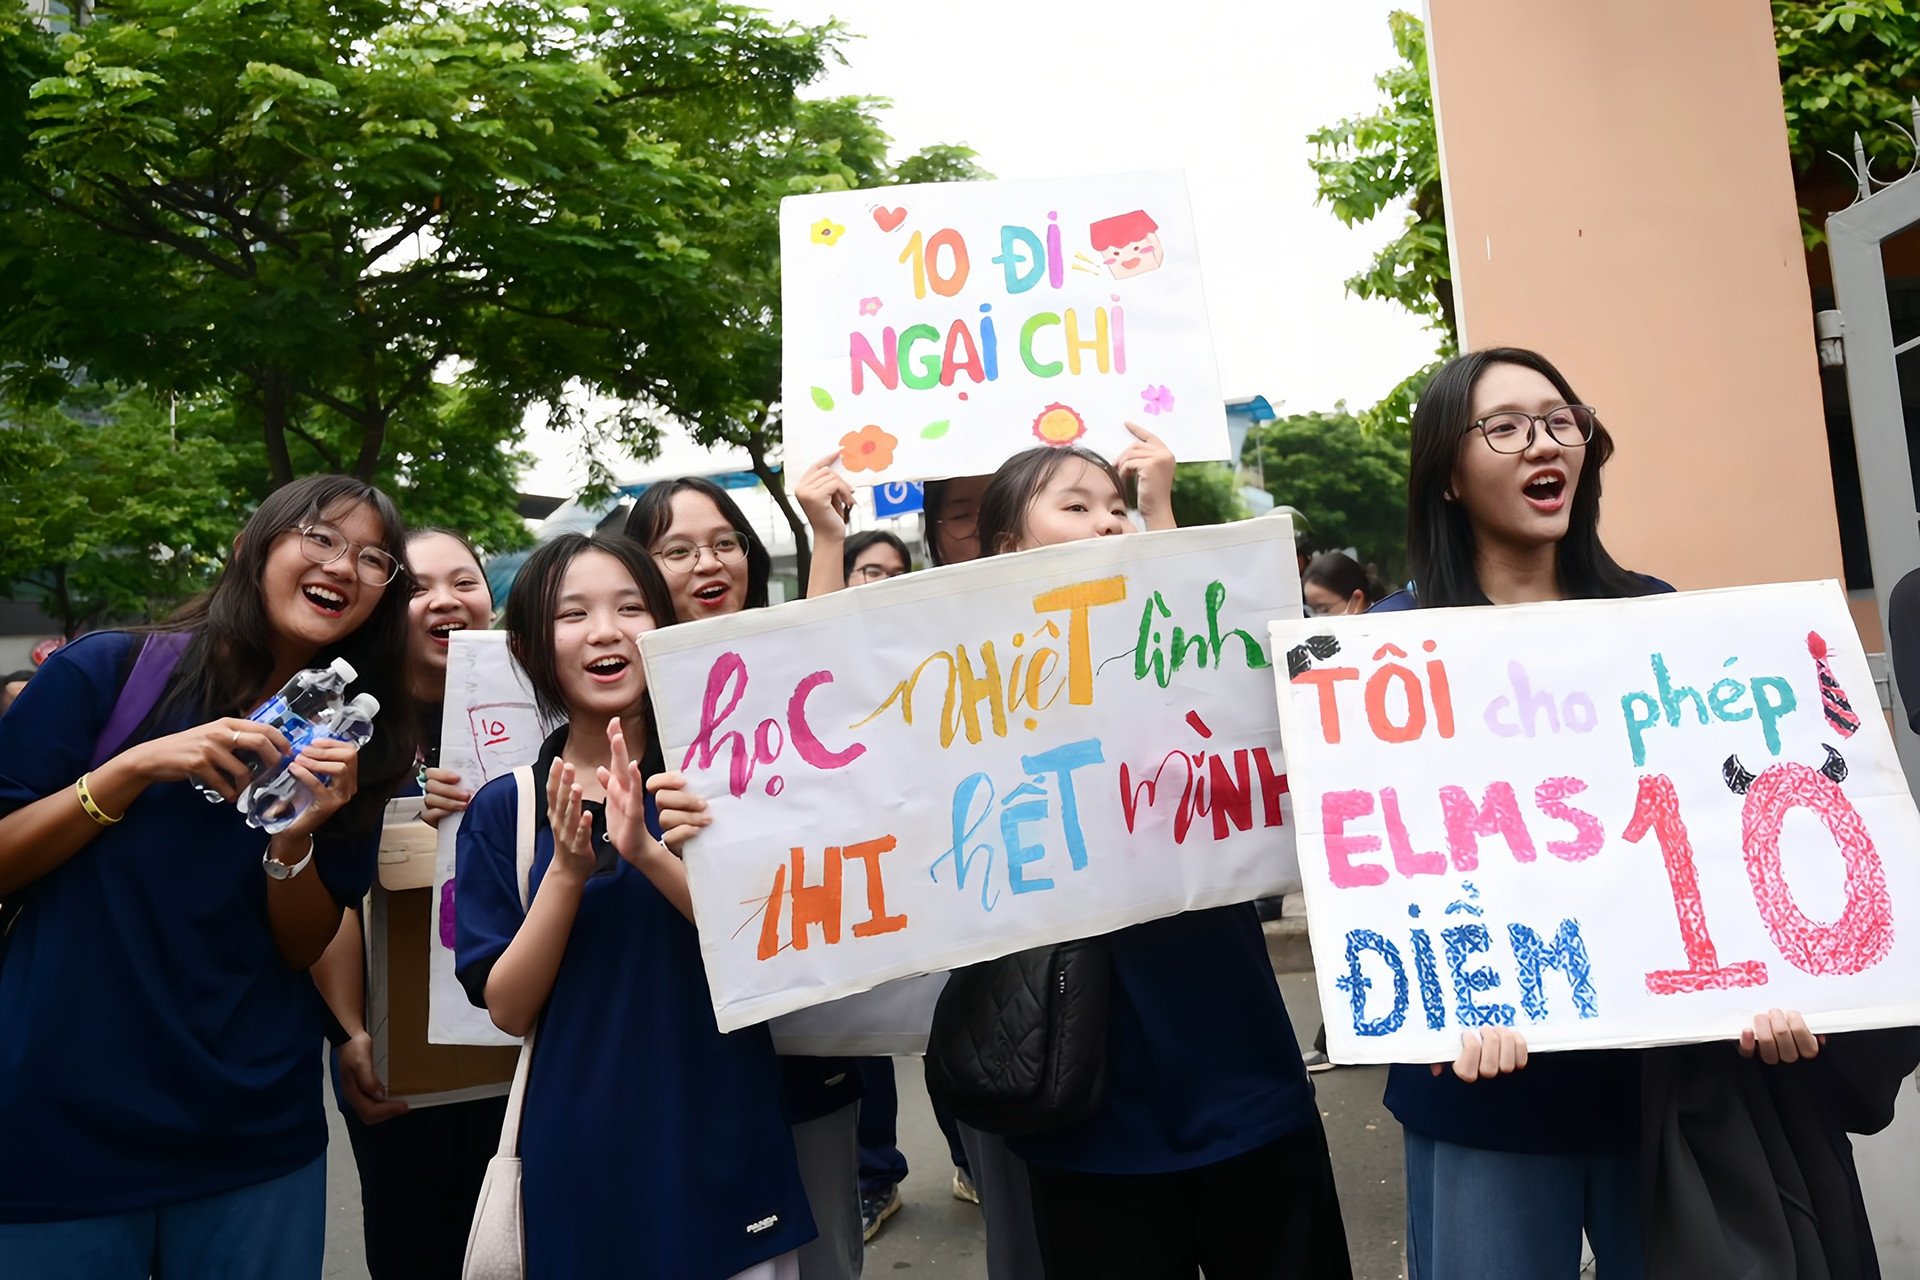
column 1509, row 1161
column 1504, row 1168
column 160, row 1094
column 715, row 565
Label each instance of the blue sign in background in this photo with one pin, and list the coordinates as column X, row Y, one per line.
column 900, row 499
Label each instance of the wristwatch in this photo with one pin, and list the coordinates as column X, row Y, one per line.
column 278, row 870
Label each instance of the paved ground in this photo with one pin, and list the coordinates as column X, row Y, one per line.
column 935, row 1236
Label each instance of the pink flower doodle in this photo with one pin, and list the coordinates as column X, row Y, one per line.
column 1158, row 400
column 870, row 306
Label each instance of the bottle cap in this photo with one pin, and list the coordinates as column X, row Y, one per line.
column 344, row 669
column 366, row 704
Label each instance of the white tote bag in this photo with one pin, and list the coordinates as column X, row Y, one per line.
column 496, row 1245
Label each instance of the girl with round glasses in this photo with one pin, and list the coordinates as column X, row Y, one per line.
column 161, row 1090
column 1506, row 1167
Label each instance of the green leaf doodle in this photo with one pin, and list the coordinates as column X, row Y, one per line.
column 821, row 400
column 934, row 430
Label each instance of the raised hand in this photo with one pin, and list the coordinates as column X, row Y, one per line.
column 826, row 496
column 627, row 804
column 1150, row 463
column 573, row 857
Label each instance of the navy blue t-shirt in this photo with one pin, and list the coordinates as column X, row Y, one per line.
column 1202, row 1064
column 1578, row 1102
column 650, row 1143
column 156, row 1048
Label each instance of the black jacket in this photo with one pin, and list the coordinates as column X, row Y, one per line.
column 1747, row 1170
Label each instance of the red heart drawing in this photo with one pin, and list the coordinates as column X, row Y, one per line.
column 889, row 219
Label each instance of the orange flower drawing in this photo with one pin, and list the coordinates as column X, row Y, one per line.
column 868, row 449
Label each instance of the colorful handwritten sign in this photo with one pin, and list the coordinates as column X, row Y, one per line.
column 489, row 727
column 954, row 765
column 1603, row 823
column 938, row 330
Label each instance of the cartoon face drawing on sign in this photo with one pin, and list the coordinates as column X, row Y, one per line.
column 1129, row 244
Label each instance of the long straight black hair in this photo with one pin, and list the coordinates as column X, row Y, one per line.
column 652, row 516
column 1440, row 538
column 230, row 657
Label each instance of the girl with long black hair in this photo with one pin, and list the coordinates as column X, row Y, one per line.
column 160, row 1090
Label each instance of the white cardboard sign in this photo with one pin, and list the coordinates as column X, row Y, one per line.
column 938, row 330
column 1603, row 822
column 954, row 765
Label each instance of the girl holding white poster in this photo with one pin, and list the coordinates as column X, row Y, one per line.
column 650, row 1142
column 1206, row 1142
column 1697, row 1161
column 715, row 565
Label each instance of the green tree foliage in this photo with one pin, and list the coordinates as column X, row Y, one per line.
column 1846, row 68
column 376, row 234
column 1350, row 483
column 107, row 507
column 1206, row 493
column 1366, row 163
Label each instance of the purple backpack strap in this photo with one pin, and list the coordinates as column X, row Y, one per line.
column 159, row 655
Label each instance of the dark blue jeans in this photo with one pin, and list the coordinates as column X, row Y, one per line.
column 272, row 1231
column 882, row 1164
column 1473, row 1213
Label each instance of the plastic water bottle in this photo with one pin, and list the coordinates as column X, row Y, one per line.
column 279, row 797
column 311, row 698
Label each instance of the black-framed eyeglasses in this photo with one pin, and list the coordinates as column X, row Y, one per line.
column 323, row 544
column 681, row 557
column 874, row 573
column 1570, row 426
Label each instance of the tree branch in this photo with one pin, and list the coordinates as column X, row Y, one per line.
column 183, row 244
column 386, row 246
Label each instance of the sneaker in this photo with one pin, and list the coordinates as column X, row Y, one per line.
column 1317, row 1061
column 875, row 1208
column 963, row 1187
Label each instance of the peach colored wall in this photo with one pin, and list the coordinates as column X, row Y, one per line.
column 1619, row 197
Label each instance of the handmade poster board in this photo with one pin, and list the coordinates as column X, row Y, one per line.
column 395, row 920
column 1603, row 822
column 938, row 330
column 950, row 766
column 491, row 728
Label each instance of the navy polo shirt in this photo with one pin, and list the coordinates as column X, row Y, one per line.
column 1202, row 1064
column 1579, row 1102
column 650, row 1143
column 155, row 1049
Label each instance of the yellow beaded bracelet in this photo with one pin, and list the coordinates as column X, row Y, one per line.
column 94, row 811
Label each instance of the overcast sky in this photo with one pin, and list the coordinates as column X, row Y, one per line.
column 1225, row 89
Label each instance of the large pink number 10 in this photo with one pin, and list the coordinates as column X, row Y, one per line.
column 1858, row 940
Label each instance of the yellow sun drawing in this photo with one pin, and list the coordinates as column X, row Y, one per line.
column 1057, row 424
